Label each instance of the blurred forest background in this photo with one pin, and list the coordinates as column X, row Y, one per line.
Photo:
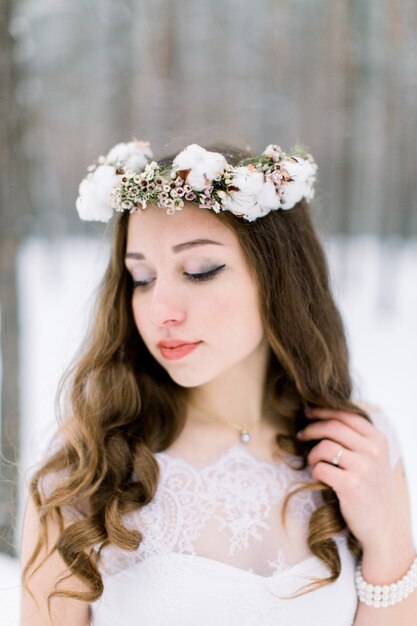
column 339, row 76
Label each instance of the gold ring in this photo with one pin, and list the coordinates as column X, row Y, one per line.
column 336, row 458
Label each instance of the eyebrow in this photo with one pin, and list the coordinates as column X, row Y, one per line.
column 178, row 248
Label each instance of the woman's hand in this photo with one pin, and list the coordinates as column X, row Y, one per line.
column 364, row 480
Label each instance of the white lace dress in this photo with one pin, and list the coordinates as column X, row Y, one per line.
column 215, row 551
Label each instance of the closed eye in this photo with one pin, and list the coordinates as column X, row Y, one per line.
column 193, row 277
column 141, row 283
column 205, row 275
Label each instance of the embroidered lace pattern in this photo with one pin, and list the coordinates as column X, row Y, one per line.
column 229, row 510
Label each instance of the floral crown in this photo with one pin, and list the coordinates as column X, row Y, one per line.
column 127, row 179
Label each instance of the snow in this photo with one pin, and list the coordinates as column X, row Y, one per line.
column 374, row 283
column 9, row 591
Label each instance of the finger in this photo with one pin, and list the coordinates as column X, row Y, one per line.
column 327, row 450
column 359, row 423
column 335, row 430
column 330, row 475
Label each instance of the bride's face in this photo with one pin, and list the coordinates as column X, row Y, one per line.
column 192, row 284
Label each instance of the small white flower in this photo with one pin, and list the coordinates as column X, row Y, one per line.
column 272, row 149
column 204, row 165
column 276, row 177
column 133, row 155
column 94, row 200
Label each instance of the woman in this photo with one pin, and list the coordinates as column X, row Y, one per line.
column 212, row 466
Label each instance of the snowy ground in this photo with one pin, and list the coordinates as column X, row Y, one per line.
column 9, row 591
column 374, row 285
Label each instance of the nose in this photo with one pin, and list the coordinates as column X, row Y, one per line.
column 166, row 307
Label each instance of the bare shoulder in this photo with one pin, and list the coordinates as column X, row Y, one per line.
column 34, row 610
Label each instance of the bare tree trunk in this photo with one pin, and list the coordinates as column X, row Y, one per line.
column 9, row 202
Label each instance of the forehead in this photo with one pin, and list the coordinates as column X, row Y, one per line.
column 154, row 228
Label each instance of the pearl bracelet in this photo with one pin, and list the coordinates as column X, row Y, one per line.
column 386, row 595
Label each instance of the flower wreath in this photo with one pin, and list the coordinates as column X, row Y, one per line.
column 127, row 179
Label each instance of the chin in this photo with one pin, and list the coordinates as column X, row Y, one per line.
column 197, row 375
column 192, row 375
column 189, row 378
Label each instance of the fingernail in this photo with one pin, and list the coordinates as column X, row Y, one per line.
column 299, row 435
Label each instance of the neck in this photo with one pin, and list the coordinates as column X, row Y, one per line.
column 236, row 396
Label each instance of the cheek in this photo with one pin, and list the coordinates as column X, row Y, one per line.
column 237, row 316
column 139, row 315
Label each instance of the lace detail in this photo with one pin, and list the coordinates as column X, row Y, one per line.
column 237, row 489
column 279, row 564
column 228, row 508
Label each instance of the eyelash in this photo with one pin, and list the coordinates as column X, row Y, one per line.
column 193, row 277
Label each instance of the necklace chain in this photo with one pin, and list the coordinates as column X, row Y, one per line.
column 244, row 434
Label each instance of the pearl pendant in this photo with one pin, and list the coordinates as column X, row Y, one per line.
column 244, row 436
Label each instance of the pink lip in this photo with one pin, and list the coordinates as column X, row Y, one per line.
column 172, row 349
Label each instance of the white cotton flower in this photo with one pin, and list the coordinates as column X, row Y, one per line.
column 302, row 186
column 242, row 205
column 268, row 197
column 93, row 202
column 205, row 166
column 255, row 197
column 248, row 179
column 133, row 155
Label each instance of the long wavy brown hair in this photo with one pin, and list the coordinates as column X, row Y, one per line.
column 117, row 406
